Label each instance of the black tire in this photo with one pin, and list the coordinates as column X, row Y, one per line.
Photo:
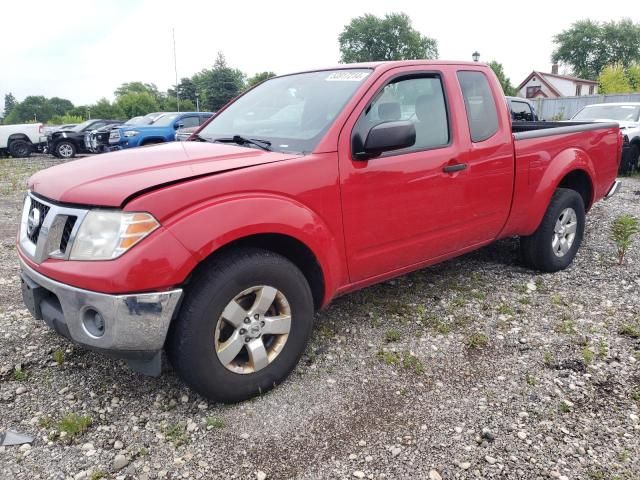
column 634, row 157
column 537, row 250
column 20, row 148
column 190, row 344
column 65, row 149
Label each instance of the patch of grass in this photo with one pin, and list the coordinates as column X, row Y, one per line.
column 176, row 433
column 629, row 330
column 19, row 374
column 603, row 349
column 58, row 356
column 556, row 299
column 73, row 425
column 504, row 309
column 622, row 231
column 568, row 326
column 540, row 287
column 531, row 380
column 411, row 362
column 442, row 328
column 587, row 355
column 623, row 455
column 398, row 308
column 476, row 341
column 392, row 335
column 524, row 300
column 215, row 422
column 548, row 359
column 388, row 358
column 564, row 407
column 635, row 395
column 97, row 475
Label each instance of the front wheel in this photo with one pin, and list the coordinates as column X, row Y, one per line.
column 65, row 149
column 555, row 243
column 20, row 148
column 243, row 326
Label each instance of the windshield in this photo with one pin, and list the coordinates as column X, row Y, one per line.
column 165, row 120
column 134, row 121
column 291, row 112
column 622, row 113
column 82, row 126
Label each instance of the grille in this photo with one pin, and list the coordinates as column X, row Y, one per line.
column 43, row 209
column 66, row 233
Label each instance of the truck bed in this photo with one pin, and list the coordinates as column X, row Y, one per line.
column 523, row 130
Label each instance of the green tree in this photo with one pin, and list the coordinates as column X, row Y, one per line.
column 170, row 104
column 259, row 78
column 218, row 85
column 369, row 38
column 589, row 46
column 133, row 104
column 613, row 79
column 633, row 74
column 9, row 102
column 498, row 69
column 103, row 108
column 31, row 109
column 60, row 106
column 140, row 87
column 186, row 90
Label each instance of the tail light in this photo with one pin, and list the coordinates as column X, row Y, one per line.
column 41, row 129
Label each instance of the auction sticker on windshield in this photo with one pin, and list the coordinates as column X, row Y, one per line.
column 347, row 76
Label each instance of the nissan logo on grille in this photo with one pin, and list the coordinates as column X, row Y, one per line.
column 33, row 221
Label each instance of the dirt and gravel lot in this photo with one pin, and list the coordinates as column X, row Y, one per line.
column 476, row 368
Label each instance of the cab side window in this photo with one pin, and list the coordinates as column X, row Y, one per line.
column 189, row 122
column 521, row 111
column 482, row 113
column 419, row 99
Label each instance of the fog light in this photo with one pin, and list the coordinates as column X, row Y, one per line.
column 93, row 323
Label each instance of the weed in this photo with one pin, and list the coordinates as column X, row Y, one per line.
column 587, row 355
column 476, row 341
column 505, row 310
column 556, row 299
column 97, row 475
column 629, row 330
column 73, row 424
column 176, row 434
column 45, row 422
column 540, row 285
column 622, row 231
column 392, row 335
column 215, row 422
column 603, row 349
column 568, row 326
column 411, row 362
column 548, row 359
column 19, row 375
column 623, row 455
column 531, row 380
column 565, row 407
column 58, row 356
column 525, row 301
column 388, row 358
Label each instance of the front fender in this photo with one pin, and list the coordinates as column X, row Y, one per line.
column 206, row 228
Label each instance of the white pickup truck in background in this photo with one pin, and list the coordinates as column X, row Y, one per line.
column 21, row 140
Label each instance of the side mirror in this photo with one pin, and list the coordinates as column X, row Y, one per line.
column 386, row 137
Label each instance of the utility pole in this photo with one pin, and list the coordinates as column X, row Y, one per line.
column 175, row 66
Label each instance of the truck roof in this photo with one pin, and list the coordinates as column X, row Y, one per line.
column 391, row 64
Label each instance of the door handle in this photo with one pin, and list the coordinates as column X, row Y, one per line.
column 454, row 168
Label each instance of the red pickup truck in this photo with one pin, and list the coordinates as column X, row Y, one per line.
column 220, row 249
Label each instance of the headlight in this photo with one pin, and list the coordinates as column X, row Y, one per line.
column 106, row 234
column 131, row 133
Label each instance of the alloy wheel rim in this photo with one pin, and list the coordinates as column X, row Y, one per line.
column 65, row 151
column 252, row 329
column 564, row 232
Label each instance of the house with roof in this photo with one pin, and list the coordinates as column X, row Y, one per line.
column 553, row 85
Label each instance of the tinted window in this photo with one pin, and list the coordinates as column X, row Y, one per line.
column 165, row 120
column 190, row 122
column 521, row 111
column 417, row 99
column 482, row 113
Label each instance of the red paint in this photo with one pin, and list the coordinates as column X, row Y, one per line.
column 365, row 221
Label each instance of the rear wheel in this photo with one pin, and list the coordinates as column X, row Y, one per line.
column 20, row 148
column 244, row 324
column 634, row 157
column 555, row 243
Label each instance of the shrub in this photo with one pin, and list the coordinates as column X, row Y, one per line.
column 622, row 232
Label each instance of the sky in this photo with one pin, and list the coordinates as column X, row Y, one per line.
column 83, row 50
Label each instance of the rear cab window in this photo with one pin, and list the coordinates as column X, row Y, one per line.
column 482, row 111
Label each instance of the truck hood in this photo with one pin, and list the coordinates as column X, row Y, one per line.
column 112, row 178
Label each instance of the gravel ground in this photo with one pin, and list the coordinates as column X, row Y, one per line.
column 475, row 368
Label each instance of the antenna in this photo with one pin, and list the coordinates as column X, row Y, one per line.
column 175, row 66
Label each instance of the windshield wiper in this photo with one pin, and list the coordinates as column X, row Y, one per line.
column 240, row 140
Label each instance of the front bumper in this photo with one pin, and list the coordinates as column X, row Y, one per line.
column 132, row 326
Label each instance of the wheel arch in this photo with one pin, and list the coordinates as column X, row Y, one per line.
column 287, row 246
column 18, row 136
